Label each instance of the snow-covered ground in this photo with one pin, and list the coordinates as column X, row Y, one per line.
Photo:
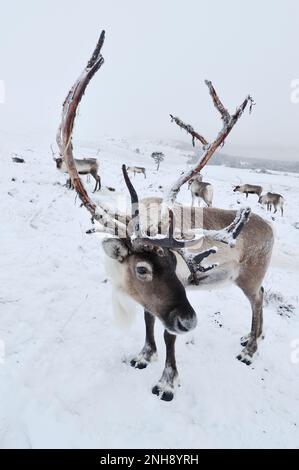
column 64, row 374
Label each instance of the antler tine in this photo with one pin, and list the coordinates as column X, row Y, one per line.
column 229, row 234
column 225, row 116
column 134, row 203
column 194, row 263
column 240, row 220
column 189, row 129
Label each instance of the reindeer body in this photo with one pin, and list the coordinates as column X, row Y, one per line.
column 85, row 166
column 249, row 189
column 272, row 199
column 136, row 169
column 201, row 190
column 245, row 265
column 253, row 244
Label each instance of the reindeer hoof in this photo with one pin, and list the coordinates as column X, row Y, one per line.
column 245, row 357
column 139, row 364
column 143, row 360
column 163, row 392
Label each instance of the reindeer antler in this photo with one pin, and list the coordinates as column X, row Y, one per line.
column 227, row 235
column 108, row 223
column 209, row 149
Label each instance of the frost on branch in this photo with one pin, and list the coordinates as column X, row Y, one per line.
column 190, row 130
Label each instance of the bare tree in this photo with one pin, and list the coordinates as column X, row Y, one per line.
column 158, row 157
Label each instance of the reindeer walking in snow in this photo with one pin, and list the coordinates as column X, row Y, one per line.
column 85, row 166
column 154, row 270
column 249, row 189
column 136, row 169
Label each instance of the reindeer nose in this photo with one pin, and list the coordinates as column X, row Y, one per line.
column 184, row 321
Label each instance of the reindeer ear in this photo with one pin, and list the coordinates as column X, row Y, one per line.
column 115, row 248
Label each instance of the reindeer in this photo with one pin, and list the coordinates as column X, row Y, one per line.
column 249, row 189
column 154, row 270
column 136, row 169
column 201, row 190
column 274, row 199
column 86, row 166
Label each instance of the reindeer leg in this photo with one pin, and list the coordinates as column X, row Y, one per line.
column 98, row 181
column 68, row 184
column 149, row 350
column 165, row 387
column 251, row 341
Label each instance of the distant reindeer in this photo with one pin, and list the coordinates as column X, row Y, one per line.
column 85, row 166
column 136, row 169
column 249, row 189
column 201, row 190
column 272, row 199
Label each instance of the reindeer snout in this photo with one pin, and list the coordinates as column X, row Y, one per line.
column 183, row 320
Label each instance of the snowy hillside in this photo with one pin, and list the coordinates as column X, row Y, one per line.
column 64, row 375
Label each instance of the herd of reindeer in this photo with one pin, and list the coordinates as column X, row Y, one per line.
column 200, row 190
column 154, row 269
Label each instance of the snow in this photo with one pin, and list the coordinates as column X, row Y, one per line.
column 65, row 379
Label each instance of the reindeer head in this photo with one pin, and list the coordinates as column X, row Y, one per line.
column 236, row 188
column 149, row 277
column 197, row 178
column 59, row 162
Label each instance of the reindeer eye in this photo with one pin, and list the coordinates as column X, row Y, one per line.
column 144, row 271
column 141, row 270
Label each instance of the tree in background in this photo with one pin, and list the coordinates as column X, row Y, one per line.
column 158, row 158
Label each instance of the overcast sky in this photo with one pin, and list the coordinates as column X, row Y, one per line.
column 157, row 55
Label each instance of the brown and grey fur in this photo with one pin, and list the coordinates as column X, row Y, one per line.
column 249, row 189
column 164, row 295
column 85, row 166
column 136, row 169
column 272, row 199
column 201, row 190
